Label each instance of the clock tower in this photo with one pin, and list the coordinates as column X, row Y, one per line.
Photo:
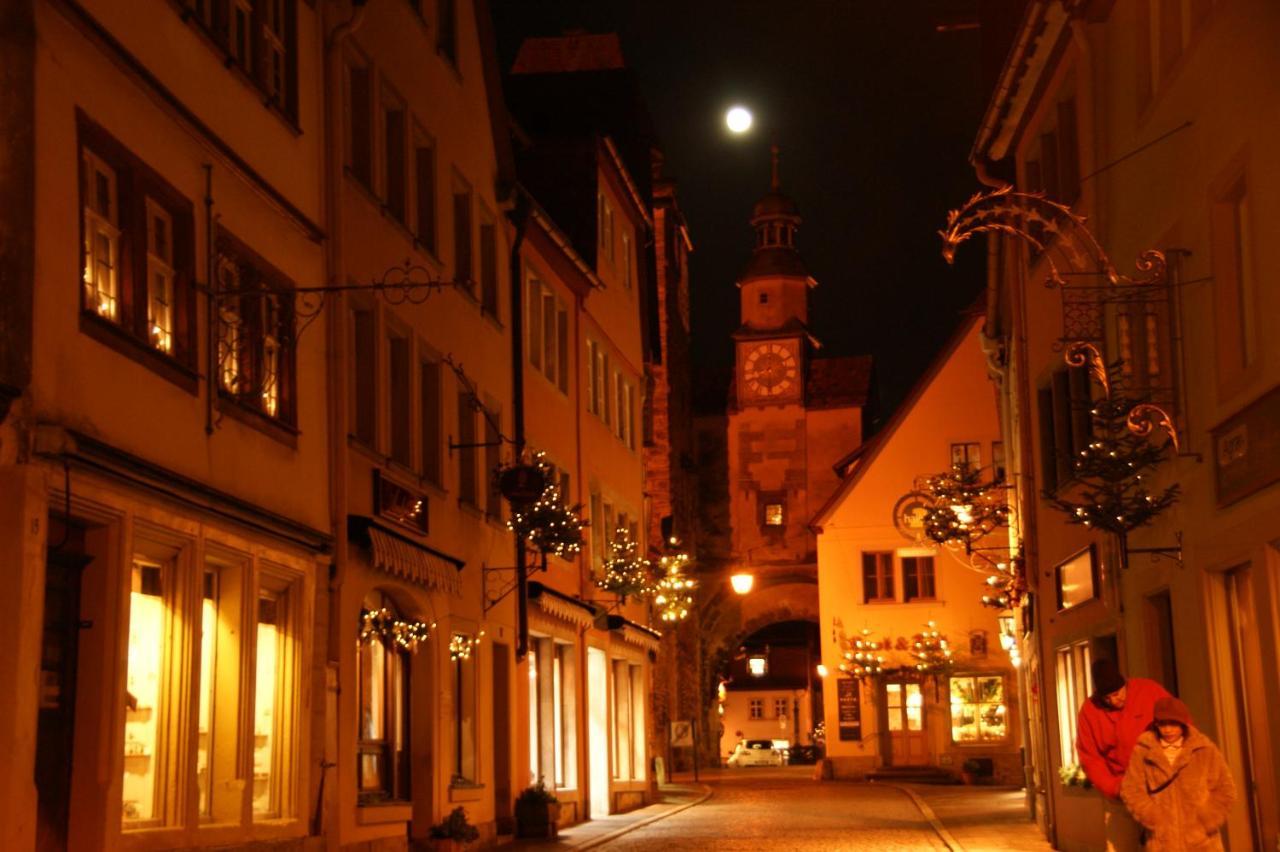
column 772, row 340
column 792, row 414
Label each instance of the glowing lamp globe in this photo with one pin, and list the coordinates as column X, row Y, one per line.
column 738, row 119
column 822, row 670
column 742, row 583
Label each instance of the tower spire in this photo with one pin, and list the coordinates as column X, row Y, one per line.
column 774, row 183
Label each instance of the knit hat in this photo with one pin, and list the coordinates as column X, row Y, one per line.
column 1170, row 709
column 1106, row 677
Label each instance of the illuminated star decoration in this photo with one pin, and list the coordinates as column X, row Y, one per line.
column 1050, row 229
column 548, row 524
column 626, row 572
column 381, row 624
column 673, row 594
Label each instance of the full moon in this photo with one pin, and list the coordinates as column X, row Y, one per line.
column 738, row 119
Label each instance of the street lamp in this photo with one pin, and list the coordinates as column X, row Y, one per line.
column 742, row 582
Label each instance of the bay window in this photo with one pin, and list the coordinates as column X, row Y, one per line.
column 978, row 710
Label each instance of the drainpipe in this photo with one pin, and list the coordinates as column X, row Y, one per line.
column 520, row 219
column 332, row 184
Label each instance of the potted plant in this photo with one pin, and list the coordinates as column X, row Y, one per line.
column 454, row 833
column 537, row 812
column 976, row 770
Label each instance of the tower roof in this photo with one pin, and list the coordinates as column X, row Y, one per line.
column 775, row 220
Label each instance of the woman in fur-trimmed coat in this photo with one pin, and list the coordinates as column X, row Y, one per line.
column 1178, row 785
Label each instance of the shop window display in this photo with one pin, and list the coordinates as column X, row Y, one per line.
column 978, row 711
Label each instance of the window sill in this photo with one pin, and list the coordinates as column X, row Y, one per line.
column 114, row 337
column 492, row 317
column 277, row 430
column 360, row 446
column 465, row 791
column 468, row 507
column 383, row 813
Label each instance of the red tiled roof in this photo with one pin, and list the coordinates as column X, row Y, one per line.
column 838, row 382
column 568, row 53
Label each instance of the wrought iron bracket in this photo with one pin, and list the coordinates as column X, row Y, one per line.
column 496, row 587
column 1173, row 554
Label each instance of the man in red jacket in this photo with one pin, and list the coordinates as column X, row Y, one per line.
column 1107, row 729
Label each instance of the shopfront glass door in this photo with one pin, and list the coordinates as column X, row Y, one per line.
column 904, row 703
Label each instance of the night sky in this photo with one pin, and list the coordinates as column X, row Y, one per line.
column 875, row 112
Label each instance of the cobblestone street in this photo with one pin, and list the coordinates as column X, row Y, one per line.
column 784, row 809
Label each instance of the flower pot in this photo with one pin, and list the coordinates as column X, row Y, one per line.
column 537, row 820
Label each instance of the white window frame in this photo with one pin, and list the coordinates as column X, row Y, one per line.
column 1074, row 685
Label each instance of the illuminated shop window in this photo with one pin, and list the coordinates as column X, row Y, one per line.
column 535, row 718
column 382, row 764
column 1075, row 683
column 622, row 724
column 463, row 664
column 773, row 515
column 219, row 688
column 978, row 711
column 637, row 723
column 266, row 735
column 146, row 694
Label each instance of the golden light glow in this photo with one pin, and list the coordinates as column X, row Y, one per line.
column 757, row 666
column 823, row 671
column 738, row 119
column 742, row 583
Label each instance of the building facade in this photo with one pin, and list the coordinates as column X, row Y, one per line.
column 881, row 580
column 165, row 465
column 1118, row 110
column 250, row 441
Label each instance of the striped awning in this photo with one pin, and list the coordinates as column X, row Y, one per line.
column 562, row 606
column 408, row 561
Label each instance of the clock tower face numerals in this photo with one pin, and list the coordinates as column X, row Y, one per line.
column 770, row 370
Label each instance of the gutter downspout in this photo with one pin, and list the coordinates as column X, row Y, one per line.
column 336, row 388
column 520, row 219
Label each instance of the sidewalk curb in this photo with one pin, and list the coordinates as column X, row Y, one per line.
column 627, row 829
column 929, row 814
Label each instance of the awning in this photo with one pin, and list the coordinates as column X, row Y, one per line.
column 634, row 634
column 562, row 606
column 405, row 559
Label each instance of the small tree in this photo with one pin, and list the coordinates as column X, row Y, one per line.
column 1110, row 489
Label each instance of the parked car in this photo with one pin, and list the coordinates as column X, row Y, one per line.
column 804, row 754
column 755, row 753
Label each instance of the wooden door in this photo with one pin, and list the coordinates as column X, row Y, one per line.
column 57, row 714
column 904, row 704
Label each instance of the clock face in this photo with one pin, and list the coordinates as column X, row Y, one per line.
column 770, row 369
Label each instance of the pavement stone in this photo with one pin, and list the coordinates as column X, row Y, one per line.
column 785, row 810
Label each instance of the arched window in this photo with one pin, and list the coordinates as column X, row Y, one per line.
column 382, row 743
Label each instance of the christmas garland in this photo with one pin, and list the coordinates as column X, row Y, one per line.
column 382, row 624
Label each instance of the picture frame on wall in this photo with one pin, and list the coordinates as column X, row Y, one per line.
column 1077, row 578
